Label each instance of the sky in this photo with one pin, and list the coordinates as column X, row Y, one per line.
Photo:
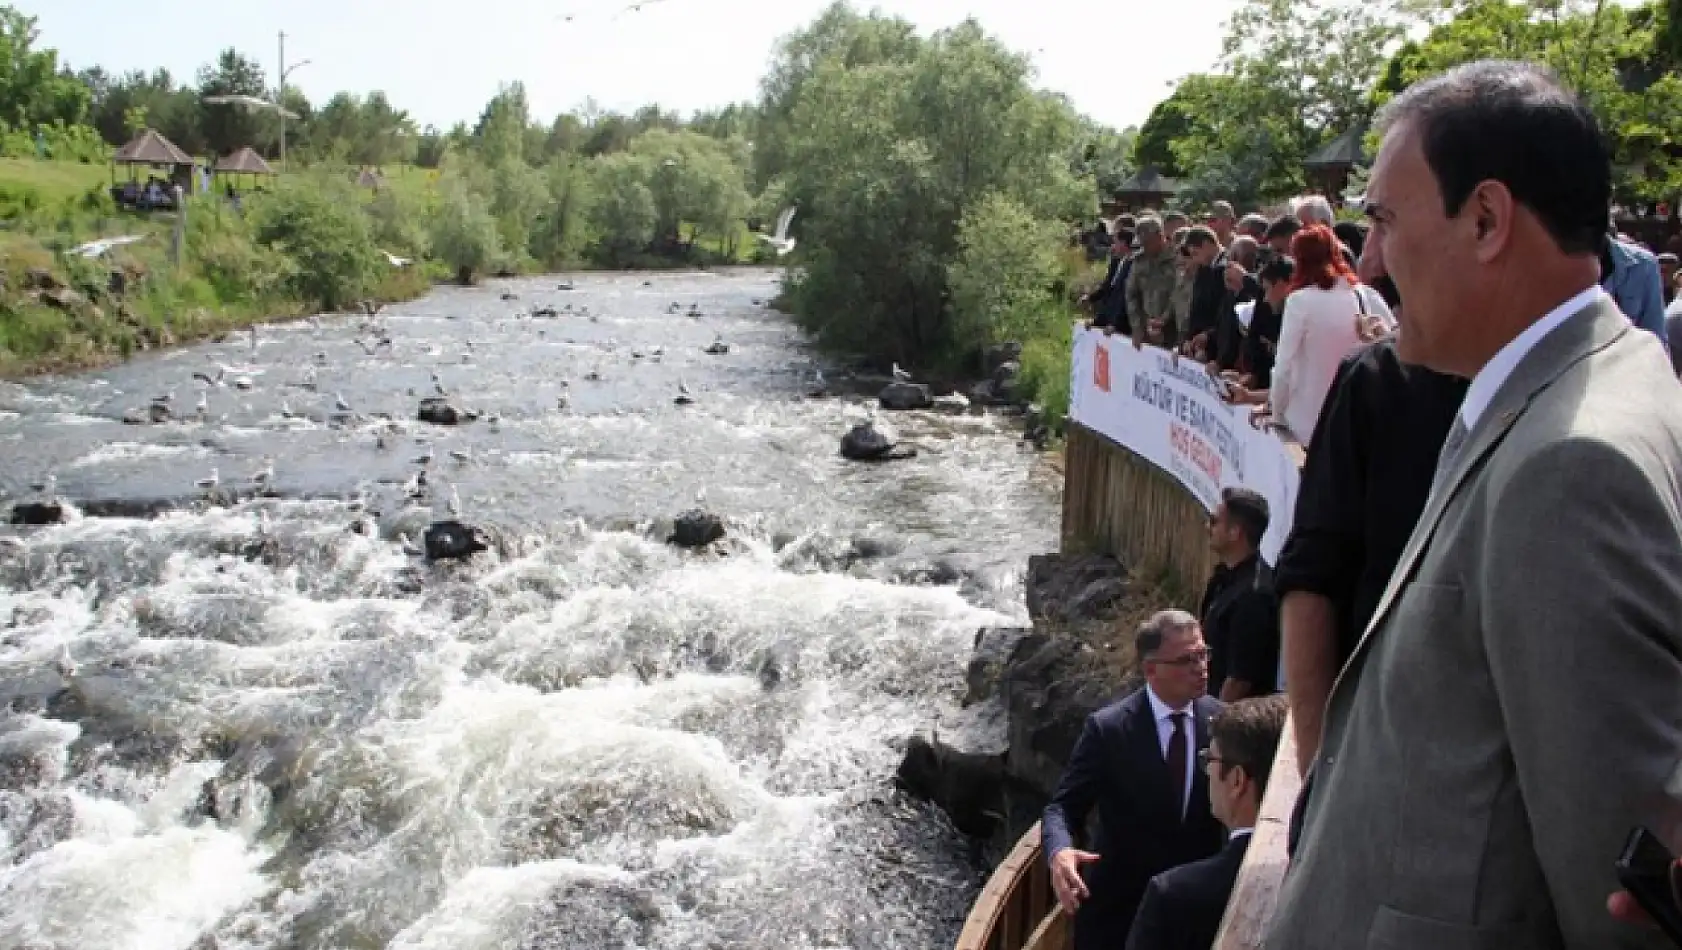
column 442, row 60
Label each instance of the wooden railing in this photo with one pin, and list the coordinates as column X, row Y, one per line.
column 1016, row 909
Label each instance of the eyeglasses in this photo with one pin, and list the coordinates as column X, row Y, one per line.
column 1204, row 758
column 1194, row 658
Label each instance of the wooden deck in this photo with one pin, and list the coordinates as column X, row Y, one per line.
column 1016, row 907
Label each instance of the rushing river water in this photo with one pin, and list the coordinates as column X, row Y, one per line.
column 249, row 725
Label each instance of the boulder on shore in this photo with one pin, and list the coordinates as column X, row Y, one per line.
column 696, row 528
column 993, row 767
column 904, row 396
column 453, row 540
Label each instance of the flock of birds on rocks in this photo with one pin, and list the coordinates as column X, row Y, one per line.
column 221, row 381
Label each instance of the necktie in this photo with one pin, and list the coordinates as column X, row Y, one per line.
column 1177, row 761
column 1451, row 450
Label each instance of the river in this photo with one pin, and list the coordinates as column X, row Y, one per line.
column 265, row 724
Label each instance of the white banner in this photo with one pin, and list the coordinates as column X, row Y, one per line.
column 1170, row 413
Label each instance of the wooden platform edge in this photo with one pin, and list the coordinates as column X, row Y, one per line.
column 1013, row 902
column 1256, row 893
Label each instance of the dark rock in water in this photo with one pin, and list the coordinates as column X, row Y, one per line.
column 898, row 395
column 591, row 913
column 983, row 393
column 960, row 765
column 717, row 348
column 510, row 296
column 549, row 312
column 452, row 540
column 439, row 412
column 696, row 529
column 864, row 443
column 37, row 513
column 155, row 414
column 683, row 399
column 1074, row 588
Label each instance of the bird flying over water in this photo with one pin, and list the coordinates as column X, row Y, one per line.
column 780, row 241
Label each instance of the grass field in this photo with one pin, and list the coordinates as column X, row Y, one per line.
column 55, row 181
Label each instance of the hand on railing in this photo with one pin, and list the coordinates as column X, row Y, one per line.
column 1065, row 877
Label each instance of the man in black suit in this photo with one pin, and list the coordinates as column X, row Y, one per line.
column 1182, row 908
column 1109, row 298
column 1136, row 760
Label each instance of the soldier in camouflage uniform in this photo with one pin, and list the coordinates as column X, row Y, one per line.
column 1150, row 286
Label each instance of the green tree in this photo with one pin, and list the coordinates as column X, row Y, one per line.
column 1006, row 273
column 230, row 127
column 501, row 131
column 464, row 233
column 318, row 223
column 885, row 159
column 623, row 211
column 694, row 178
column 33, row 90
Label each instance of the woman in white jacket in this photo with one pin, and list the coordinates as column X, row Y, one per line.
column 1327, row 315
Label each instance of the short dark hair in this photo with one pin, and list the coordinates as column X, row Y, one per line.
column 1148, row 638
column 1176, row 216
column 1254, row 225
column 1281, row 267
column 1352, row 235
column 1512, row 122
column 1248, row 731
column 1248, row 508
column 1197, row 236
column 1286, row 225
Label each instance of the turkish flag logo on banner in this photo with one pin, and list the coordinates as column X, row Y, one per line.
column 1101, row 368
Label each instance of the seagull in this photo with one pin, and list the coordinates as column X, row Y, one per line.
column 780, row 241
column 394, row 260
column 204, row 404
column 166, row 397
column 266, row 476
column 683, row 396
column 285, row 409
column 65, row 664
column 454, row 503
column 461, row 455
column 339, row 402
column 210, row 482
column 900, row 375
column 425, row 458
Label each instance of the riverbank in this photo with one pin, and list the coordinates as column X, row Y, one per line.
column 992, row 762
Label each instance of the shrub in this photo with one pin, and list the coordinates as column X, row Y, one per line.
column 464, row 234
column 319, row 224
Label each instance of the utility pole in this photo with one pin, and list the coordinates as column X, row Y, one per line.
column 280, row 99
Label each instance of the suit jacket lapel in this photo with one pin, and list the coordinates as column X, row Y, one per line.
column 1590, row 330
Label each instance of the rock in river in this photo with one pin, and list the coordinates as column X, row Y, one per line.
column 696, row 529
column 899, row 395
column 439, row 412
column 37, row 513
column 865, row 443
column 451, row 540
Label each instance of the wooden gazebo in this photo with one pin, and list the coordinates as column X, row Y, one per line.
column 1148, row 188
column 1328, row 168
column 151, row 149
column 246, row 161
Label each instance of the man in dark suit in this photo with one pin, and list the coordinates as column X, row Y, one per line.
column 1136, row 760
column 1109, row 298
column 1182, row 907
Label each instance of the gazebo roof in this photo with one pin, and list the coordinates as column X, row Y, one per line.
column 1149, row 181
column 151, row 148
column 245, row 161
column 1343, row 151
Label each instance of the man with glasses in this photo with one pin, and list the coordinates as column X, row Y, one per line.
column 1136, row 760
column 1182, row 907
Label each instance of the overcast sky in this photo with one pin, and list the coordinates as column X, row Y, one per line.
column 443, row 59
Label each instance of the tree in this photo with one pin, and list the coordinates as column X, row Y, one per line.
column 33, row 90
column 694, row 179
column 623, row 212
column 230, row 127
column 885, row 159
column 501, row 131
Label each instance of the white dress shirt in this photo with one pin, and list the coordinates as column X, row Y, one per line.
column 1488, row 381
column 1165, row 731
column 1316, row 331
column 1238, row 832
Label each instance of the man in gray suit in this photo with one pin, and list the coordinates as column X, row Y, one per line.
column 1515, row 704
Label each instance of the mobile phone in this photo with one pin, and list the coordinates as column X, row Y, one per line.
column 1645, row 870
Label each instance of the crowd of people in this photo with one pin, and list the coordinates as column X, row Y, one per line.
column 1476, row 621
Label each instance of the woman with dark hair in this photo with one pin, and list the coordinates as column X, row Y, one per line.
column 1325, row 317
